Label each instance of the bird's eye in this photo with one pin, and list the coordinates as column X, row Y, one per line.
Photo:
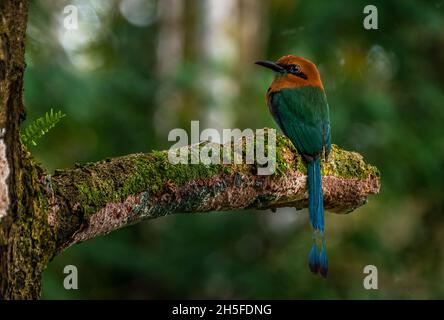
column 295, row 69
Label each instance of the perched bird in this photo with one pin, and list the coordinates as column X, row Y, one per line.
column 298, row 103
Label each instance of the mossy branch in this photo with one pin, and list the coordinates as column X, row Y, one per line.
column 94, row 199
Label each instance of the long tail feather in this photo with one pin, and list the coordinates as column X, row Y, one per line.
column 313, row 259
column 312, row 199
column 315, row 199
column 323, row 261
column 316, row 214
column 320, row 197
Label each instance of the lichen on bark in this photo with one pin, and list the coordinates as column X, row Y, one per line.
column 4, row 175
column 31, row 239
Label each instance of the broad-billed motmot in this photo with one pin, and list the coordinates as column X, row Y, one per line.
column 298, row 103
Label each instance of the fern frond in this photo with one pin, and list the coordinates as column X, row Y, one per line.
column 39, row 127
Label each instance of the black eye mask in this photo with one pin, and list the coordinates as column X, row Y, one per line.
column 296, row 70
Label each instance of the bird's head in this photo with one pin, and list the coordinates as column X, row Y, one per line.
column 293, row 72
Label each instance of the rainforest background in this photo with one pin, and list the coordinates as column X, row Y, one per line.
column 135, row 69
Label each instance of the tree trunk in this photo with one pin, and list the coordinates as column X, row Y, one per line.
column 41, row 215
column 25, row 246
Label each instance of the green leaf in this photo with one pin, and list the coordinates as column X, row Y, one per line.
column 39, row 127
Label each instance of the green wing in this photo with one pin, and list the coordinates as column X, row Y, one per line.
column 303, row 115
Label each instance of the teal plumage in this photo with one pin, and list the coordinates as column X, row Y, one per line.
column 298, row 103
column 303, row 116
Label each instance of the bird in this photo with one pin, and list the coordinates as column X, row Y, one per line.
column 298, row 103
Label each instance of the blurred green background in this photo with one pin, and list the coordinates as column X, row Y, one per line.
column 135, row 69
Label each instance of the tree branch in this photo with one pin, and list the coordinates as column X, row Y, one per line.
column 94, row 199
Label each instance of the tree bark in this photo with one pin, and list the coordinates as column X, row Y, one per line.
column 96, row 198
column 41, row 214
column 24, row 232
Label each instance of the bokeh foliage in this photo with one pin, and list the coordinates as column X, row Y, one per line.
column 386, row 94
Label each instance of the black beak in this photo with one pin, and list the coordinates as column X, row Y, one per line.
column 271, row 65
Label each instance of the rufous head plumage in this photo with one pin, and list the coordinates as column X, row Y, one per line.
column 293, row 72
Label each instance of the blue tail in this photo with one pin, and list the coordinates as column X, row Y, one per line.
column 313, row 258
column 315, row 201
column 316, row 213
column 323, row 261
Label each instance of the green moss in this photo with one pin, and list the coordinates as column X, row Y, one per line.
column 114, row 180
column 181, row 173
column 347, row 164
column 342, row 163
column 283, row 147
